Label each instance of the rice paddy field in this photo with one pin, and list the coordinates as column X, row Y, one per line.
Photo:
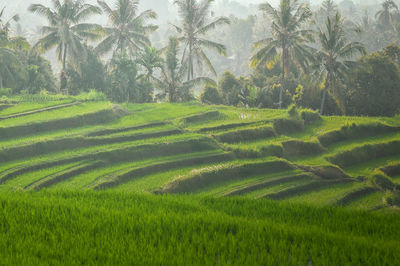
column 187, row 184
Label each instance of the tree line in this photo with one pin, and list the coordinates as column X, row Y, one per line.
column 313, row 60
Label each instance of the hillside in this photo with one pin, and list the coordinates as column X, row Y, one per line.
column 205, row 150
column 178, row 184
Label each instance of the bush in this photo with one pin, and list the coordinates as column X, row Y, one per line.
column 374, row 88
column 309, row 116
column 92, row 95
column 5, row 92
column 211, row 96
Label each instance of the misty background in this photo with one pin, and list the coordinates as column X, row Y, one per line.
column 248, row 25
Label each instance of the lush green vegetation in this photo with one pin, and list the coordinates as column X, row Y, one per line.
column 120, row 228
column 266, row 186
column 144, row 155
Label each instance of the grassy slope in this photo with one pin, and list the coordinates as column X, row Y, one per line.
column 210, row 228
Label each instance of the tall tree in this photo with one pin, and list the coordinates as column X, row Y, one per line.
column 329, row 8
column 335, row 55
column 195, row 24
column 288, row 38
column 67, row 30
column 173, row 75
column 386, row 15
column 128, row 29
column 7, row 56
column 150, row 60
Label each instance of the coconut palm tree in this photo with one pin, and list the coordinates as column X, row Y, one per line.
column 6, row 23
column 67, row 30
column 288, row 38
column 335, row 55
column 194, row 26
column 386, row 15
column 128, row 29
column 173, row 75
column 329, row 8
column 7, row 56
column 150, row 59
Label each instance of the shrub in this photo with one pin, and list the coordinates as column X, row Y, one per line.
column 92, row 95
column 309, row 116
column 211, row 96
column 5, row 92
column 292, row 110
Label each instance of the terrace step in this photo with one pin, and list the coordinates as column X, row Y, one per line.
column 126, row 129
column 354, row 195
column 51, row 108
column 64, row 175
column 41, row 148
column 268, row 183
column 99, row 117
column 164, row 166
column 301, row 189
column 120, row 154
column 223, row 173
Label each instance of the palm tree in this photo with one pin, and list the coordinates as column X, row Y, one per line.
column 288, row 38
column 67, row 31
column 5, row 24
column 150, row 59
column 334, row 50
column 195, row 25
column 7, row 56
column 128, row 29
column 329, row 8
column 173, row 75
column 385, row 16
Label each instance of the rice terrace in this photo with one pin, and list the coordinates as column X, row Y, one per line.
column 200, row 132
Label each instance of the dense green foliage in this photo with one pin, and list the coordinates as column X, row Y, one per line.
column 116, row 228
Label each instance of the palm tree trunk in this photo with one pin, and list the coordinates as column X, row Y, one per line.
column 1, row 82
column 283, row 77
column 63, row 79
column 321, row 110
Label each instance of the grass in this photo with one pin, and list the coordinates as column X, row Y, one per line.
column 262, row 189
column 81, row 109
column 119, row 228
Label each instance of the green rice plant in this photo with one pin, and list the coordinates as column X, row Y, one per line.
column 268, row 183
column 119, row 179
column 355, row 131
column 302, row 189
column 119, row 228
column 381, row 181
column 365, row 153
column 294, row 148
column 355, row 194
column 246, row 134
column 223, row 172
column 287, row 126
column 198, row 118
